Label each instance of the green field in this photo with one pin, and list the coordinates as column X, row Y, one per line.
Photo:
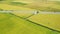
column 11, row 24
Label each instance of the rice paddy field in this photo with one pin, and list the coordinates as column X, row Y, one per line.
column 19, row 22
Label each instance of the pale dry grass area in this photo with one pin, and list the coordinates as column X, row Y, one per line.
column 50, row 20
